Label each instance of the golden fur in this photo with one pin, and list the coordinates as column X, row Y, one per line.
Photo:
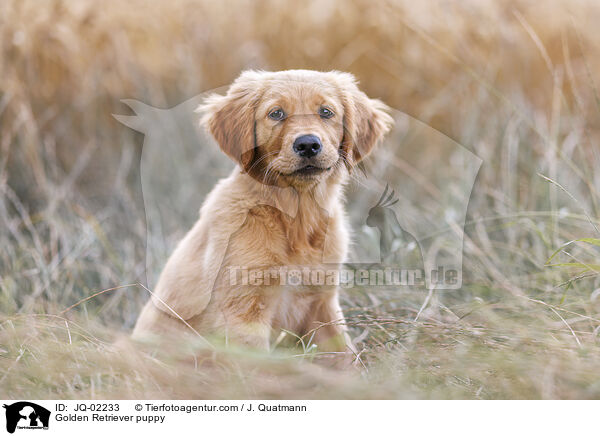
column 266, row 214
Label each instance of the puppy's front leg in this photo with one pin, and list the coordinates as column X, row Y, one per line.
column 325, row 325
column 246, row 318
column 251, row 334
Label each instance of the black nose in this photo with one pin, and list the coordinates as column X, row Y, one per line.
column 307, row 145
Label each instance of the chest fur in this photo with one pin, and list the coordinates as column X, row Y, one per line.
column 311, row 237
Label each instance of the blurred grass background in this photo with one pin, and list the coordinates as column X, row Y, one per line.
column 513, row 81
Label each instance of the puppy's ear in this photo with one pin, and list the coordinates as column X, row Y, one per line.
column 230, row 120
column 366, row 121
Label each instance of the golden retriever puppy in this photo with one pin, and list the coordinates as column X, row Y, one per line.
column 295, row 135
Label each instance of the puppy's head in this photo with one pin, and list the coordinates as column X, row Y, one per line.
column 295, row 127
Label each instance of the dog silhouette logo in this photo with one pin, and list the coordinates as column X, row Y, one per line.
column 417, row 223
column 26, row 415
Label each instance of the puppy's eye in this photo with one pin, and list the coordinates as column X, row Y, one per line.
column 277, row 114
column 326, row 113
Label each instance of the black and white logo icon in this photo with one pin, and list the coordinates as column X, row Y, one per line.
column 26, row 415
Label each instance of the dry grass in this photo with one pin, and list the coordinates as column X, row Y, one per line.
column 512, row 81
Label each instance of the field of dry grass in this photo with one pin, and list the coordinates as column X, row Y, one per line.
column 515, row 82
